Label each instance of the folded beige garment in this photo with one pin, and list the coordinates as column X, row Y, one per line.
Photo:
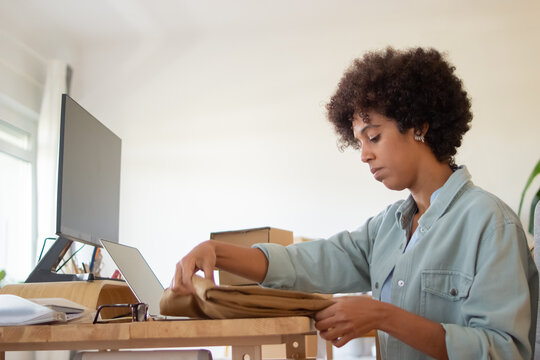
column 228, row 302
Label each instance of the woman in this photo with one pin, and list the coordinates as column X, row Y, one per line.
column 449, row 268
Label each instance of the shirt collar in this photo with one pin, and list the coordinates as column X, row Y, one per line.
column 441, row 200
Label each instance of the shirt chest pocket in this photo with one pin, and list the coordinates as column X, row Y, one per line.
column 443, row 292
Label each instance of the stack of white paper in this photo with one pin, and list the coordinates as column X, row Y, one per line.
column 15, row 310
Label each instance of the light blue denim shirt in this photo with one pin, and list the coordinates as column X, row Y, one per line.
column 471, row 271
column 386, row 291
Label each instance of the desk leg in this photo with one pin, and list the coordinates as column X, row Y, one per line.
column 2, row 355
column 245, row 352
column 295, row 346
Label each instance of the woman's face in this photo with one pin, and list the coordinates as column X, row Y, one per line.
column 392, row 156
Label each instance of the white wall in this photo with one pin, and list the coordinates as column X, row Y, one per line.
column 223, row 125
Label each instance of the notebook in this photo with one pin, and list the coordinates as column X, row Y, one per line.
column 137, row 273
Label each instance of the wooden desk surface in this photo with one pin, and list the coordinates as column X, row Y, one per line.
column 154, row 334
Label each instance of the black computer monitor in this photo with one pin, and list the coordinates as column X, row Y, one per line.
column 88, row 198
column 88, row 177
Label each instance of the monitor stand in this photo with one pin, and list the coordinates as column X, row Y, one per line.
column 45, row 269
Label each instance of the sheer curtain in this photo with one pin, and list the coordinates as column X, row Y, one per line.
column 56, row 83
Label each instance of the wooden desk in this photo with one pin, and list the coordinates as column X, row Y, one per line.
column 244, row 335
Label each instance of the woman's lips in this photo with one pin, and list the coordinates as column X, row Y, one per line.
column 374, row 170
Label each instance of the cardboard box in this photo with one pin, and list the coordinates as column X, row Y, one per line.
column 247, row 238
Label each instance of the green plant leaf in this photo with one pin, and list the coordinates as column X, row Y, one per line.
column 536, row 199
column 535, row 172
column 2, row 274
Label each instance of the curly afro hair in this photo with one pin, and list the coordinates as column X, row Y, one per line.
column 412, row 87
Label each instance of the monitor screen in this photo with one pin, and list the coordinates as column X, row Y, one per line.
column 88, row 177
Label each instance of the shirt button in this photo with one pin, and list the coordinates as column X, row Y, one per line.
column 422, row 229
column 453, row 292
column 376, row 285
column 401, row 283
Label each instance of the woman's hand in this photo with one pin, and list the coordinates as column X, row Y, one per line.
column 250, row 263
column 202, row 257
column 353, row 316
column 350, row 317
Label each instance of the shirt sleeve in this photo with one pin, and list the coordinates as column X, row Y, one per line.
column 498, row 317
column 338, row 264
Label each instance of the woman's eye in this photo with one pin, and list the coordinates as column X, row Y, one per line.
column 374, row 139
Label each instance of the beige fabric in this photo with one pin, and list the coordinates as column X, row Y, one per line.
column 227, row 302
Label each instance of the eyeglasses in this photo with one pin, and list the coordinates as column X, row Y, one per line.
column 139, row 312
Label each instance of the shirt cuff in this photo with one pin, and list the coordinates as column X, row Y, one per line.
column 280, row 273
column 461, row 344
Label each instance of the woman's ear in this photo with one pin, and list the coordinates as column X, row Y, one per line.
column 421, row 131
column 420, row 134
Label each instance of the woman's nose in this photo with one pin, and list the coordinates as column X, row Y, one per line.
column 366, row 154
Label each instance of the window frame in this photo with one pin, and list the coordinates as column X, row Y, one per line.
column 24, row 119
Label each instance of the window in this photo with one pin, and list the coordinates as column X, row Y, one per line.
column 18, row 132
